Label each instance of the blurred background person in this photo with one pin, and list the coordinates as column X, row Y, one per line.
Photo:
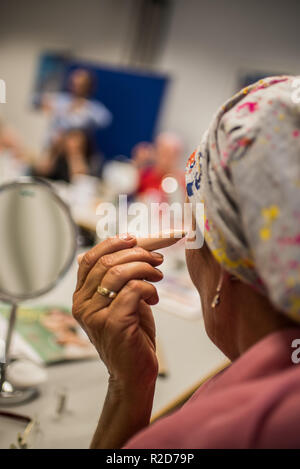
column 14, row 158
column 74, row 109
column 166, row 159
column 143, row 155
column 72, row 157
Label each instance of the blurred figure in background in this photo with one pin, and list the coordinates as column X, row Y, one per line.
column 14, row 159
column 72, row 157
column 143, row 155
column 75, row 109
column 167, row 151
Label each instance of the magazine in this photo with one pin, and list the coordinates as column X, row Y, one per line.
column 46, row 334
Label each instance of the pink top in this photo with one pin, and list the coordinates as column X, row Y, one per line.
column 255, row 403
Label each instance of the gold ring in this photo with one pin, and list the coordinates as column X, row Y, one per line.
column 106, row 292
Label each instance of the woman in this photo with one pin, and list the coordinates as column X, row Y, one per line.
column 247, row 173
column 73, row 156
column 167, row 150
column 14, row 158
column 74, row 109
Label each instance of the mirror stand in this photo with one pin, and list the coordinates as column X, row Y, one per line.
column 32, row 216
column 9, row 395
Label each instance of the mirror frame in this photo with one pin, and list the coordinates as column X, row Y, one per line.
column 34, row 181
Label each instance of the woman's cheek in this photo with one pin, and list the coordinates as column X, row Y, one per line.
column 195, row 267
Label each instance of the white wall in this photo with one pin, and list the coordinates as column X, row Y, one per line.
column 209, row 42
column 92, row 29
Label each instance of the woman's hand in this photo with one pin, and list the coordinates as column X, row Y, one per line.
column 122, row 329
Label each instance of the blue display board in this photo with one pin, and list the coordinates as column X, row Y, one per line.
column 133, row 97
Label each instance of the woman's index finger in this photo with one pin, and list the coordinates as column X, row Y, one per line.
column 162, row 240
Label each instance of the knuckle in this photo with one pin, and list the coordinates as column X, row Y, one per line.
column 138, row 250
column 133, row 285
column 106, row 260
column 110, row 242
column 117, row 271
column 91, row 323
column 75, row 311
column 109, row 324
column 79, row 309
column 146, row 268
column 87, row 259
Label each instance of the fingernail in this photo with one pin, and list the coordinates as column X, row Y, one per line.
column 159, row 271
column 157, row 255
column 126, row 236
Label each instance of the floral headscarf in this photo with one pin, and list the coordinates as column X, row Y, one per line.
column 246, row 171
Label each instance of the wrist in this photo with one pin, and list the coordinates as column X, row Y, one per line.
column 127, row 410
column 131, row 391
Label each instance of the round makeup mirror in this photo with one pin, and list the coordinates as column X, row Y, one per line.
column 37, row 248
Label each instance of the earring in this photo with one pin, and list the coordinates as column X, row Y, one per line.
column 217, row 297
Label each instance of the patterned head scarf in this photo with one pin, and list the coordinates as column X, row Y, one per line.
column 246, row 171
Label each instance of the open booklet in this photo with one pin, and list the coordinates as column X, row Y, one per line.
column 49, row 335
column 46, row 334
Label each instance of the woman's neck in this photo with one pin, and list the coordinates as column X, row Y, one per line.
column 257, row 320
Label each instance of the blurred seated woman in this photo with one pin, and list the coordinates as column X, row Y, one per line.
column 74, row 108
column 142, row 155
column 247, row 172
column 70, row 156
column 14, row 157
column 159, row 161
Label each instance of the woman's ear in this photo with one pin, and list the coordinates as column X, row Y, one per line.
column 233, row 278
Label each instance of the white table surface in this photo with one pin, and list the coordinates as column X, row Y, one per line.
column 189, row 356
